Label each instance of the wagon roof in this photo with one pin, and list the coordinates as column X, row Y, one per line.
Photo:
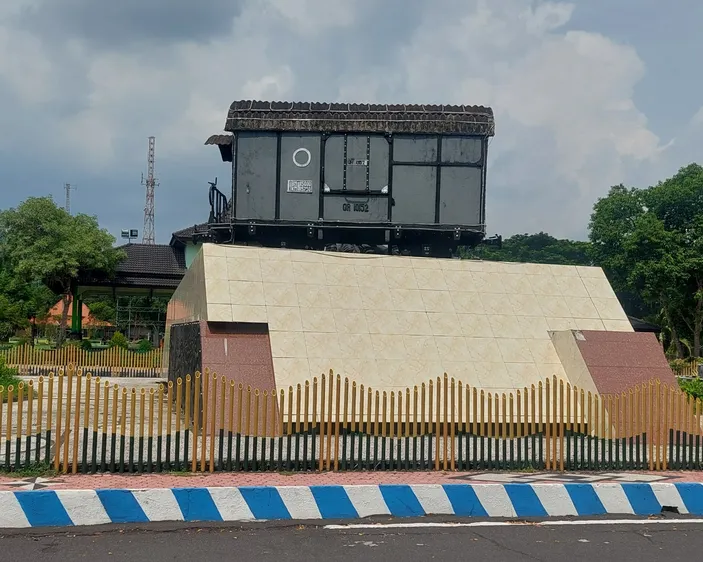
column 248, row 115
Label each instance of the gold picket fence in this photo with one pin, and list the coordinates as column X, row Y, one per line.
column 689, row 370
column 78, row 423
column 112, row 358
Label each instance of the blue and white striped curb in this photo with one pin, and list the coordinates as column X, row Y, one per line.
column 94, row 507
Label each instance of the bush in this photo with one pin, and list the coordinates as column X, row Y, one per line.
column 692, row 387
column 8, row 377
column 144, row 346
column 678, row 365
column 119, row 340
column 86, row 345
column 21, row 340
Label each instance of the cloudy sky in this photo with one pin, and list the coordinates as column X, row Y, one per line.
column 586, row 93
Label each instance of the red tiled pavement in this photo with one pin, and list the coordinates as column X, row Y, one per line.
column 145, row 481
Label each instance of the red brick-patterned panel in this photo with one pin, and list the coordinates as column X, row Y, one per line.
column 241, row 352
column 618, row 361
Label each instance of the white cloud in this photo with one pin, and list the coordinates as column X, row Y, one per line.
column 697, row 119
column 547, row 16
column 570, row 91
column 25, row 69
column 567, row 124
column 315, row 16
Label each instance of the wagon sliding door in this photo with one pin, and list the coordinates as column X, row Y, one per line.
column 356, row 177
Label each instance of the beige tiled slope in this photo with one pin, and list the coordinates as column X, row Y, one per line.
column 188, row 303
column 390, row 321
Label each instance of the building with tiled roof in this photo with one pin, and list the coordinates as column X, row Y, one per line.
column 147, row 268
column 151, row 266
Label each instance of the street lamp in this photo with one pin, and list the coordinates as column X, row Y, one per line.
column 130, row 234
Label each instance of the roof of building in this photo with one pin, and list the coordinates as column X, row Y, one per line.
column 187, row 234
column 152, row 258
column 147, row 266
column 246, row 115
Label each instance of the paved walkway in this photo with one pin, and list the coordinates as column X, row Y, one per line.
column 171, row 480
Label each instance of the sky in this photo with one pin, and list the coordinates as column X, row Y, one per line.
column 586, row 94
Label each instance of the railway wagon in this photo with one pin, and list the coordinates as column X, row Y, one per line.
column 408, row 178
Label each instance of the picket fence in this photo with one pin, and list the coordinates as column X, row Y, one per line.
column 118, row 360
column 78, row 423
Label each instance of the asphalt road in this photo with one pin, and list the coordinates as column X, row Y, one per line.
column 515, row 543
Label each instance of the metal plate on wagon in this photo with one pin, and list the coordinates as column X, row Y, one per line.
column 299, row 186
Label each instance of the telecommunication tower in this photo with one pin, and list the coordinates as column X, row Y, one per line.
column 68, row 187
column 150, row 183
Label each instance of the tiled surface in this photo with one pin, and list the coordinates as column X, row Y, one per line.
column 224, row 479
column 617, row 361
column 239, row 352
column 391, row 321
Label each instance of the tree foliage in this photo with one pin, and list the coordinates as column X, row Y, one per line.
column 20, row 300
column 536, row 248
column 41, row 242
column 8, row 377
column 650, row 242
column 119, row 340
column 129, row 312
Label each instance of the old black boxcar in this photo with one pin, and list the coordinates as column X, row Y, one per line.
column 409, row 178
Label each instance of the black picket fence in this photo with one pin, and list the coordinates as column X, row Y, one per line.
column 91, row 452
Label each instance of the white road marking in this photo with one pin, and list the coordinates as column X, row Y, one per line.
column 623, row 522
column 584, row 522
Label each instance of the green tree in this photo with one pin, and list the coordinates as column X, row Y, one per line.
column 536, row 248
column 650, row 242
column 102, row 309
column 12, row 317
column 20, row 300
column 41, row 241
column 119, row 340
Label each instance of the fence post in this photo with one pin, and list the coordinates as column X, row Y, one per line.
column 345, row 422
column 196, row 422
column 330, row 411
column 2, row 393
column 323, row 429
column 8, row 427
column 212, row 408
column 337, row 415
column 546, row 395
column 76, row 421
column 429, row 425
